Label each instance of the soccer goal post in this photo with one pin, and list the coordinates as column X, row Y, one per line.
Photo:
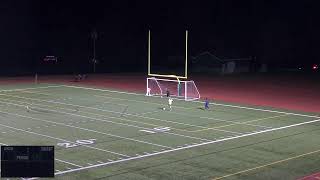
column 184, row 89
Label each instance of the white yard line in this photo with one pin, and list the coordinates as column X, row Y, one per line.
column 156, row 119
column 60, row 139
column 85, row 129
column 228, row 125
column 150, row 112
column 66, row 162
column 187, row 147
column 221, row 120
column 219, row 104
column 97, row 119
column 56, row 102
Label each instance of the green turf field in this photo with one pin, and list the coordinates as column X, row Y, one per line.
column 108, row 134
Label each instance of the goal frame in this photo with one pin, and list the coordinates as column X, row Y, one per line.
column 178, row 81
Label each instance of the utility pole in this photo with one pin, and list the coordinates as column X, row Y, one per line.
column 94, row 37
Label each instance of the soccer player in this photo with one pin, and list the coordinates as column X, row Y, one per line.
column 170, row 103
column 168, row 93
column 148, row 91
column 206, row 104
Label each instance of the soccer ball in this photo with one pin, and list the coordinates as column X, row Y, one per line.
column 163, row 108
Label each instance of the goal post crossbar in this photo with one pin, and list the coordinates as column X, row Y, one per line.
column 185, row 89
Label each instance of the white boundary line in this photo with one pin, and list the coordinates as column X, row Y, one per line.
column 23, row 89
column 60, row 139
column 227, row 105
column 85, row 129
column 187, row 147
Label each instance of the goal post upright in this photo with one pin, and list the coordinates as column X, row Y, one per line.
column 185, row 76
column 149, row 51
column 178, row 85
column 186, row 57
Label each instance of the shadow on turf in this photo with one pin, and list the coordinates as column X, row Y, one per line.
column 203, row 109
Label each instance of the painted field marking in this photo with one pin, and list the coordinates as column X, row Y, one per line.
column 221, row 120
column 204, row 127
column 111, row 103
column 103, row 120
column 260, row 119
column 171, row 112
column 266, row 165
column 22, row 89
column 219, row 104
column 161, row 129
column 156, row 130
column 146, row 117
column 77, row 143
column 103, row 110
column 85, row 129
column 139, row 114
column 188, row 147
column 147, row 131
column 66, row 162
column 60, row 139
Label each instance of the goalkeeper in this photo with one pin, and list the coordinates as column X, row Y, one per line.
column 206, row 104
column 148, row 92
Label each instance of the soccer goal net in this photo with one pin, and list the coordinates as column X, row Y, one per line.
column 177, row 88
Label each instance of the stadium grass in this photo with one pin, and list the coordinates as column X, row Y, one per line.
column 121, row 126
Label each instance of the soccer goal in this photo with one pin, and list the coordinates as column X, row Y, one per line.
column 183, row 89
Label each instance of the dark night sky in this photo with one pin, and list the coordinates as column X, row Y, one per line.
column 276, row 31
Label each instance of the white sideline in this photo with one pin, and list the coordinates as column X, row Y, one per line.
column 254, row 120
column 66, row 162
column 51, row 137
column 23, row 89
column 219, row 104
column 97, row 119
column 186, row 147
column 85, row 129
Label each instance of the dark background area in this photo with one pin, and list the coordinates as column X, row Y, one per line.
column 277, row 32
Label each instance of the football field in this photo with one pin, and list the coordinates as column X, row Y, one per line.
column 110, row 134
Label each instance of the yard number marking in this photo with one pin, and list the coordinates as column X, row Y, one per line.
column 77, row 143
column 156, row 130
